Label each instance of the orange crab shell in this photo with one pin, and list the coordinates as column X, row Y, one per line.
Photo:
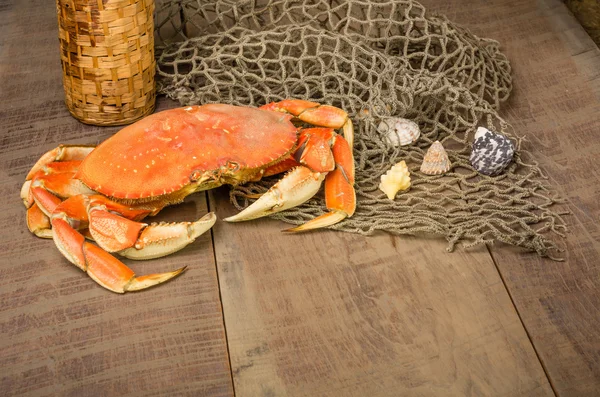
column 166, row 151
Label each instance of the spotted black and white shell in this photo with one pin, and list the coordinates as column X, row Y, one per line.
column 491, row 152
column 398, row 131
column 436, row 161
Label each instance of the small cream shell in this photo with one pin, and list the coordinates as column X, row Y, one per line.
column 395, row 180
column 436, row 160
column 398, row 131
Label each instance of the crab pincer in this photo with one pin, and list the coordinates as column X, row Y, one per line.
column 322, row 155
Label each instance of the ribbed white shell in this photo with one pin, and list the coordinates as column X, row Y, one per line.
column 398, row 131
column 396, row 179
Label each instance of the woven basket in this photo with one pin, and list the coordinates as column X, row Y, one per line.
column 107, row 55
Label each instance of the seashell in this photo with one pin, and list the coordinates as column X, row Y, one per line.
column 436, row 160
column 396, row 179
column 398, row 131
column 491, row 152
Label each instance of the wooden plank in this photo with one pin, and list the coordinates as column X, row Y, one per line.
column 330, row 314
column 61, row 333
column 556, row 103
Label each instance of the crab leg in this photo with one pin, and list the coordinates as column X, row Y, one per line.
column 60, row 153
column 114, row 228
column 102, row 267
column 116, row 233
column 280, row 167
column 136, row 240
column 340, row 197
column 38, row 223
column 61, row 185
column 45, row 200
column 318, row 157
column 293, row 189
column 56, row 177
column 54, row 168
column 315, row 114
column 313, row 151
column 160, row 239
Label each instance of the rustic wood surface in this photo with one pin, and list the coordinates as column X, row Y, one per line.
column 62, row 335
column 261, row 313
column 556, row 102
column 336, row 314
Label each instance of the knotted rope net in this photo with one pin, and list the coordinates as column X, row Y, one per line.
column 376, row 59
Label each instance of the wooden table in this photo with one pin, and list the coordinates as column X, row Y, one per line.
column 260, row 313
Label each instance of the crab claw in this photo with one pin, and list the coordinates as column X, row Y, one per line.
column 102, row 267
column 340, row 197
column 163, row 239
column 328, row 219
column 293, row 189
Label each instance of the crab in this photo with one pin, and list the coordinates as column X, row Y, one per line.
column 78, row 193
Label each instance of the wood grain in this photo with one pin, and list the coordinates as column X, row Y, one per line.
column 325, row 313
column 556, row 104
column 61, row 333
column 334, row 314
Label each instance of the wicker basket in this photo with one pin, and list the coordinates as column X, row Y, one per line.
column 107, row 54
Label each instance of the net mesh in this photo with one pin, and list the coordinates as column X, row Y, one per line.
column 376, row 59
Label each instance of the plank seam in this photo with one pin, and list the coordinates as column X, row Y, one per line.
column 582, row 52
column 535, row 350
column 512, row 301
column 214, row 250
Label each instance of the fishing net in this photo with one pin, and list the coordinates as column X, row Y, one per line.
column 376, row 59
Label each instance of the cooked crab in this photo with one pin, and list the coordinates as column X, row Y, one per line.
column 78, row 192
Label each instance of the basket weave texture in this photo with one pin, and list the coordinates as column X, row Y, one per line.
column 107, row 55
